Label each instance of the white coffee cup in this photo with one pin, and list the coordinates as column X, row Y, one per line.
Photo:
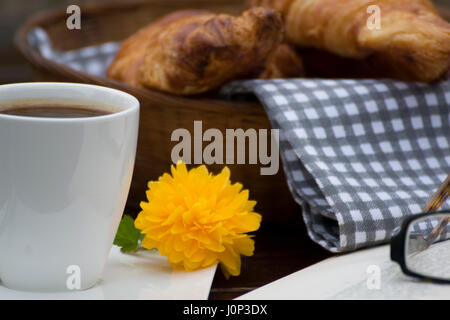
column 64, row 183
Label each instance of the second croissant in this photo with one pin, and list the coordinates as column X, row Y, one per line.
column 412, row 43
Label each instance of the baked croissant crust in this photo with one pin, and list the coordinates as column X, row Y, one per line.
column 413, row 42
column 192, row 51
column 285, row 62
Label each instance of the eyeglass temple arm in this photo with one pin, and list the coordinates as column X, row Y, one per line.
column 436, row 201
column 439, row 197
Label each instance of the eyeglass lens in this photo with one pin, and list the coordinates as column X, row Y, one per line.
column 428, row 246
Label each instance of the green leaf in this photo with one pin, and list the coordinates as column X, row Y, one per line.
column 127, row 237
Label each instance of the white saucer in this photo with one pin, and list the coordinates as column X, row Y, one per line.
column 351, row 276
column 141, row 276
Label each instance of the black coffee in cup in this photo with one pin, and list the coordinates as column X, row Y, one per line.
column 52, row 111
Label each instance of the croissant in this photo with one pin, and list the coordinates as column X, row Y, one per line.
column 128, row 60
column 285, row 62
column 412, row 44
column 192, row 51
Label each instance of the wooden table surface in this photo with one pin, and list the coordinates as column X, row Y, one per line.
column 279, row 251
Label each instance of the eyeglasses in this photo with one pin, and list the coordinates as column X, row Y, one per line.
column 422, row 244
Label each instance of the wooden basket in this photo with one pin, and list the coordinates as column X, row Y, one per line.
column 160, row 113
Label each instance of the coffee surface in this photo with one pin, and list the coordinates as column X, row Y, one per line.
column 55, row 111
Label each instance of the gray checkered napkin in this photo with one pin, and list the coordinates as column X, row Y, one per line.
column 359, row 156
column 93, row 60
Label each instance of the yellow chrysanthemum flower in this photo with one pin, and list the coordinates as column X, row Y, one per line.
column 197, row 219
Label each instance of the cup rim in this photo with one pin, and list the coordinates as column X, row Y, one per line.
column 131, row 107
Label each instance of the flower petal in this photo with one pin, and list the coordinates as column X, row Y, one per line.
column 245, row 246
column 231, row 261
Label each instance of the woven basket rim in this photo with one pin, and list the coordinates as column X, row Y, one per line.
column 34, row 57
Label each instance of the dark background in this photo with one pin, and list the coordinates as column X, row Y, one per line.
column 281, row 250
column 13, row 67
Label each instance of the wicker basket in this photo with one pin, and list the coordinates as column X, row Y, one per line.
column 160, row 113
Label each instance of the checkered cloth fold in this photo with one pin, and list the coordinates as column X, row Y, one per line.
column 93, row 60
column 359, row 156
